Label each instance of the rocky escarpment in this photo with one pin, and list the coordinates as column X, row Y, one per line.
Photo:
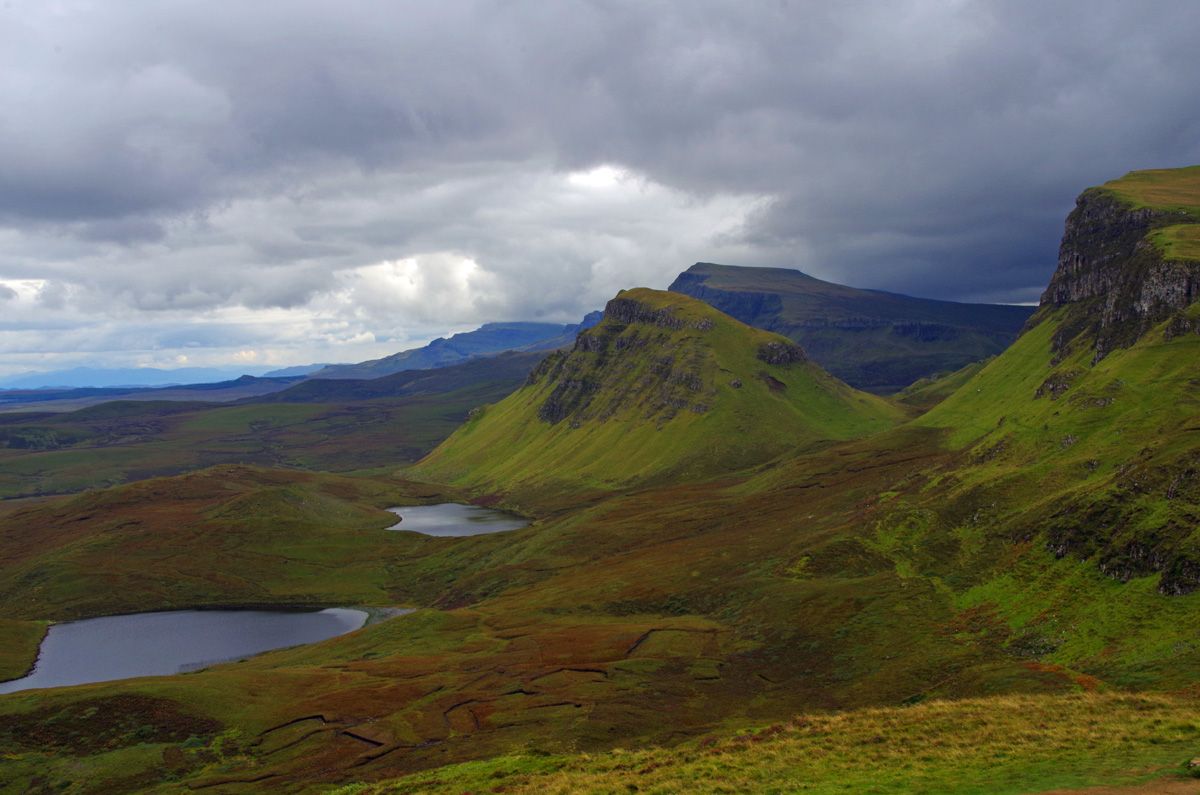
column 757, row 309
column 1109, row 265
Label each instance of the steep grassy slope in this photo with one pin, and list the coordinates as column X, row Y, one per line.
column 1095, row 406
column 877, row 341
column 664, row 388
column 926, row 393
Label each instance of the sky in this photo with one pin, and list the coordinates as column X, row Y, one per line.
column 282, row 182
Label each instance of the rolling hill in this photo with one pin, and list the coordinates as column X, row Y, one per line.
column 328, row 425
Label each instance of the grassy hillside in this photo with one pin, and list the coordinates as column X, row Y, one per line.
column 1000, row 746
column 926, row 393
column 226, row 535
column 664, row 388
column 357, row 427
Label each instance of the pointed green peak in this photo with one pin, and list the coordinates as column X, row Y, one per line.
column 664, row 388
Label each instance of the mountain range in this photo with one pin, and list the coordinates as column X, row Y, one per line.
column 489, row 339
column 741, row 573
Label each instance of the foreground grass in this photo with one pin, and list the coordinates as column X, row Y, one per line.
column 1010, row 744
column 19, row 641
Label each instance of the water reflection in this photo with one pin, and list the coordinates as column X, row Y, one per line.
column 452, row 519
column 151, row 644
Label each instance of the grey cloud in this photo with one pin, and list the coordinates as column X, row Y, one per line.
column 192, row 158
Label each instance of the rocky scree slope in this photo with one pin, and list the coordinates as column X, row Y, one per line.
column 665, row 386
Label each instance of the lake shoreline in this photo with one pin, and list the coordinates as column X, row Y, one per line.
column 301, row 634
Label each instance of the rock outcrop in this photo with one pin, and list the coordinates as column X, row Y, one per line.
column 1110, row 266
column 672, row 379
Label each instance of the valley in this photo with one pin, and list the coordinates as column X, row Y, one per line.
column 740, row 574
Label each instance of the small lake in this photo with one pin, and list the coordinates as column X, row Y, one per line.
column 153, row 644
column 452, row 519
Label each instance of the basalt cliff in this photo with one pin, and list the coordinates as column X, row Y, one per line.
column 1116, row 266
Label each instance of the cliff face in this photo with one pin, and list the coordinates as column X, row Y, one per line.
column 1110, row 266
column 757, row 309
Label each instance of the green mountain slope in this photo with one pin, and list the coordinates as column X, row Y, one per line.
column 1096, row 404
column 872, row 340
column 664, row 388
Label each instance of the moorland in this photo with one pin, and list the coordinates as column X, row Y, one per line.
column 742, row 573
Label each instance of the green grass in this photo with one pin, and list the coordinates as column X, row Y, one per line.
column 1165, row 188
column 928, row 392
column 1179, row 242
column 1175, row 190
column 977, row 747
column 19, row 641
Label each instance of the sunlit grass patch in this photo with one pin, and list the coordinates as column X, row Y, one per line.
column 1000, row 745
column 1179, row 242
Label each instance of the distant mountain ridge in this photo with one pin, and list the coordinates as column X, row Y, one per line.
column 97, row 377
column 87, row 385
column 876, row 341
column 510, row 367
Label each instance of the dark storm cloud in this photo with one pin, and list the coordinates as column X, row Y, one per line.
column 196, row 157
